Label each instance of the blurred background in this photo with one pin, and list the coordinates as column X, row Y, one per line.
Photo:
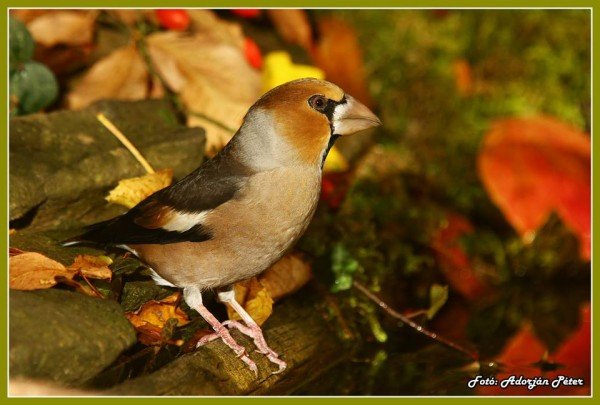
column 468, row 211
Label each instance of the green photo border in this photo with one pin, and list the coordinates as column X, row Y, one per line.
column 297, row 4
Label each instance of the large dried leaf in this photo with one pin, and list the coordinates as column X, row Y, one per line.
column 129, row 192
column 339, row 55
column 34, row 271
column 206, row 22
column 531, row 167
column 255, row 299
column 215, row 82
column 293, row 26
column 63, row 27
column 92, row 266
column 121, row 75
column 286, row 276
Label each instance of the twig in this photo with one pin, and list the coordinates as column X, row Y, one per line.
column 131, row 147
column 395, row 314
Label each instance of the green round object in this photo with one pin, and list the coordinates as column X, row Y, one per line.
column 21, row 44
column 32, row 88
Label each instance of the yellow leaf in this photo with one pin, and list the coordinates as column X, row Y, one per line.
column 255, row 299
column 286, row 276
column 92, row 266
column 335, row 162
column 34, row 271
column 130, row 192
column 279, row 68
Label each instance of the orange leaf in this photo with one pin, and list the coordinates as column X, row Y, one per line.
column 255, row 299
column 157, row 313
column 339, row 55
column 92, row 266
column 531, row 167
column 293, row 26
column 34, row 271
column 286, row 276
column 463, row 77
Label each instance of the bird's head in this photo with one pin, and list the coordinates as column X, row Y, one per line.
column 297, row 123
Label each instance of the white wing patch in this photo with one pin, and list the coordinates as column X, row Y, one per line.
column 184, row 221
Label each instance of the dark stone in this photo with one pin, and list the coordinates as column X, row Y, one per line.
column 64, row 336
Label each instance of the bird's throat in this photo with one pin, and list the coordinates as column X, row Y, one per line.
column 332, row 140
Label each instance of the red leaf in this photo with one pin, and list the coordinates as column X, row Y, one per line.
column 531, row 167
column 453, row 261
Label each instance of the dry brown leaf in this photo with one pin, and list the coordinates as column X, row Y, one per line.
column 255, row 299
column 63, row 27
column 129, row 192
column 157, row 313
column 339, row 55
column 293, row 26
column 213, row 79
column 206, row 22
column 92, row 266
column 286, row 276
column 121, row 75
column 34, row 271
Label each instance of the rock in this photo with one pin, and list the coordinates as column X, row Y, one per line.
column 295, row 330
column 58, row 158
column 63, row 336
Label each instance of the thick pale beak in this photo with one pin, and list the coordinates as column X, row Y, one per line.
column 352, row 117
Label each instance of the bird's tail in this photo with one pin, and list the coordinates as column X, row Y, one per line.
column 94, row 235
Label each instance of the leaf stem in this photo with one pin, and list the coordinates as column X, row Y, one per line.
column 395, row 314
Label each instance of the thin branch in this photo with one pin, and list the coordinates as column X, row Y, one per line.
column 395, row 314
column 126, row 142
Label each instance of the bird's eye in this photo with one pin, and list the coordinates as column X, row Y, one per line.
column 318, row 102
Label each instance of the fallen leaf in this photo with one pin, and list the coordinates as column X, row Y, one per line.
column 339, row 55
column 255, row 299
column 438, row 295
column 216, row 83
column 523, row 353
column 293, row 26
column 63, row 27
column 92, row 266
column 286, row 276
column 453, row 261
column 34, row 271
column 533, row 166
column 279, row 69
column 129, row 192
column 121, row 75
column 206, row 22
column 463, row 78
column 151, row 319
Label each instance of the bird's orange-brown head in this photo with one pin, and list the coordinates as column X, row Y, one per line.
column 299, row 120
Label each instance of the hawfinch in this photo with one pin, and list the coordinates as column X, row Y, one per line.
column 240, row 211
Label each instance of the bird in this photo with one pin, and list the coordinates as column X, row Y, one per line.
column 243, row 209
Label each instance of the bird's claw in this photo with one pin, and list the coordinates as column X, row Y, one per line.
column 239, row 350
column 259, row 340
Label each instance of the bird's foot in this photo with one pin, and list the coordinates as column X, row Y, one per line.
column 255, row 332
column 222, row 332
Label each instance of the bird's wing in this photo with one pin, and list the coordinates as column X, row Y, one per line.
column 173, row 214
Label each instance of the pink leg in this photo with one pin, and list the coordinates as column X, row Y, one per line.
column 251, row 329
column 193, row 298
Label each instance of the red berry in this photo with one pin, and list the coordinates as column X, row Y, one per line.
column 176, row 20
column 246, row 12
column 252, row 52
